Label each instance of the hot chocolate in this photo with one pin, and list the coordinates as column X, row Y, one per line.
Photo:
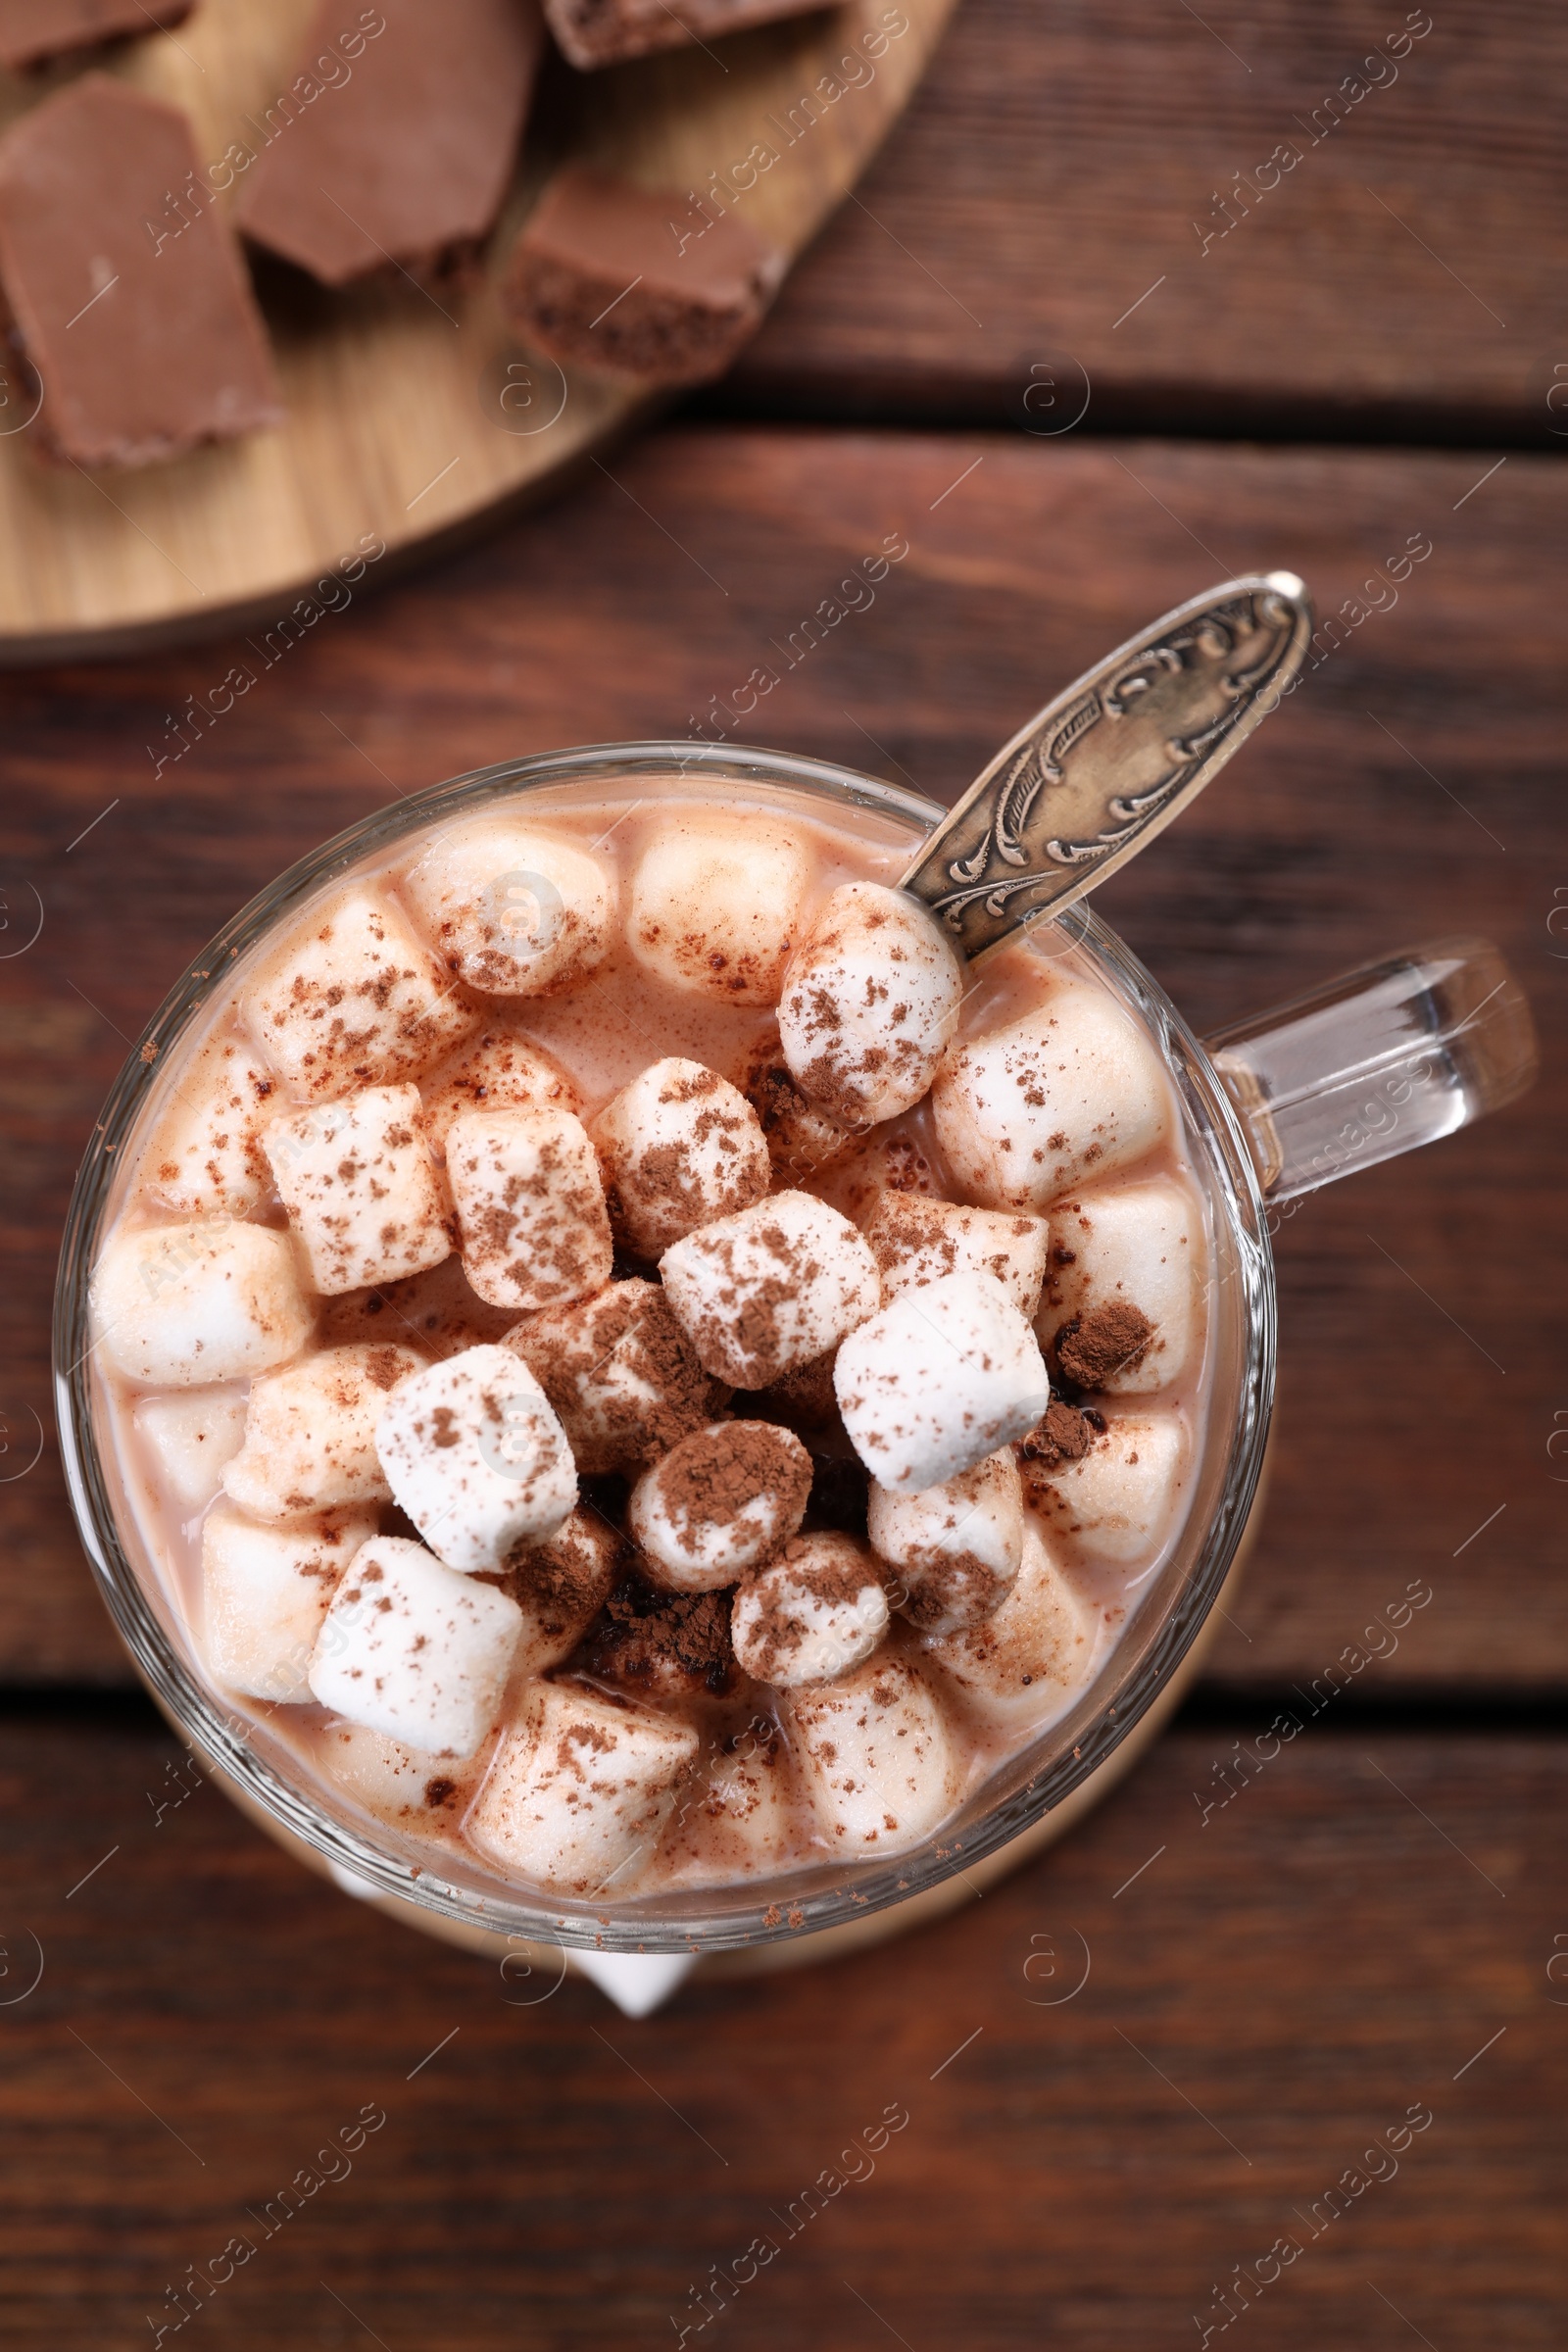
column 636, row 1366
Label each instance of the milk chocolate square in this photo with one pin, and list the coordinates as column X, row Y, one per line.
column 397, row 145
column 601, row 33
column 618, row 279
column 136, row 315
column 32, row 31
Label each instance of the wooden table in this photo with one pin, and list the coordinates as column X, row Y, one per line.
column 1377, row 1923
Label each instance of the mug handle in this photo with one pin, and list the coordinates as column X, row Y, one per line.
column 1369, row 1065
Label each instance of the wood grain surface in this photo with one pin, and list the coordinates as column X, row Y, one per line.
column 1043, row 211
column 1410, row 789
column 1370, row 1933
column 409, row 412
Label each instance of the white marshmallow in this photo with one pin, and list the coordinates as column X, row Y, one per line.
column 530, row 1207
column 727, row 1497
column 1141, row 1247
column 266, row 1591
column 1025, row 1662
column 801, row 1141
column 736, row 1819
column 360, row 1190
column 938, row 1380
column 561, row 1586
column 207, row 1160
column 192, row 1437
column 438, row 1310
column 1070, row 1091
column 680, row 1146
column 395, row 1782
column 717, row 903
column 359, row 1000
column 476, row 1459
column 310, row 1432
column 498, row 1073
column 580, row 1788
column 956, row 1548
column 878, row 1758
column 620, row 1373
column 1120, row 1498
column 812, row 1615
column 414, row 1650
column 870, row 1001
column 770, row 1287
column 916, row 1240
column 514, row 911
column 179, row 1306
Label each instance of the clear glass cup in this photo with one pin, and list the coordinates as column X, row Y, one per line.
column 1372, row 1065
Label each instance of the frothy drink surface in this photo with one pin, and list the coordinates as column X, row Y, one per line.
column 633, row 1365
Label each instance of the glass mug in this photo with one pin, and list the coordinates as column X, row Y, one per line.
column 1381, row 1060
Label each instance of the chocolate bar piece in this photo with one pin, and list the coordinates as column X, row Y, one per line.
column 139, row 320
column 32, row 31
column 403, row 155
column 614, row 277
column 601, row 33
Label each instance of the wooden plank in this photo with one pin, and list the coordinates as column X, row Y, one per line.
column 410, row 415
column 1085, row 2165
column 1400, row 277
column 1411, row 789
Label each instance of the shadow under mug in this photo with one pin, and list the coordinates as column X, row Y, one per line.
column 1371, row 1065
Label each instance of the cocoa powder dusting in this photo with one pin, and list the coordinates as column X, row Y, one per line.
column 716, row 1473
column 670, row 1643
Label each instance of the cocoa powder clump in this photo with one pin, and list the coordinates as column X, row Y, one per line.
column 1109, row 1340
column 670, row 1643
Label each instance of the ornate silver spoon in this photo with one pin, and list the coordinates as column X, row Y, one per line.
column 1096, row 774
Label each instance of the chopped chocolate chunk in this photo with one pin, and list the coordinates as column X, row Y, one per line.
column 403, row 159
column 601, row 33
column 140, row 323
column 598, row 280
column 33, row 30
column 669, row 1644
column 1108, row 1340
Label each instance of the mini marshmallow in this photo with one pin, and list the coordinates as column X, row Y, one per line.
column 266, row 1591
column 1025, row 1662
column 410, row 1648
column 475, row 1456
column 309, row 1432
column 812, row 1615
column 1070, row 1091
column 358, row 1185
column 717, row 903
column 561, row 1586
column 498, row 1073
column 938, row 1380
column 1115, row 1502
column 359, row 1002
column 438, row 1310
column 770, row 1287
column 679, row 1147
column 877, row 1756
column 800, row 1139
column 179, row 1306
column 956, row 1548
column 514, row 911
column 870, row 1001
column 1141, row 1248
column 916, row 1240
column 191, row 1438
column 620, row 1373
column 580, row 1788
column 736, row 1819
column 530, row 1207
column 728, row 1496
column 208, row 1160
column 395, row 1782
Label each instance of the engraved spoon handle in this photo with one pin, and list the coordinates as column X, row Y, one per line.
column 1092, row 778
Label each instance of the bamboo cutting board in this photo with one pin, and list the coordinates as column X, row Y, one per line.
column 412, row 413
